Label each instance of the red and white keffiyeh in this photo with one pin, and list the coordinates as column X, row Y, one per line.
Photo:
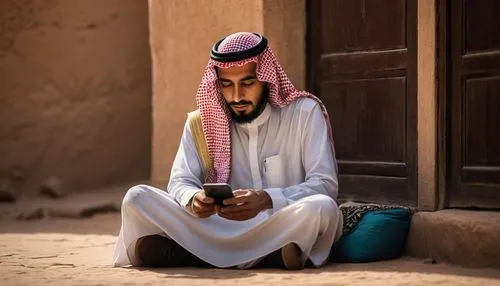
column 214, row 112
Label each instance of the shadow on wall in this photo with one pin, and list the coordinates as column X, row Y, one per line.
column 75, row 100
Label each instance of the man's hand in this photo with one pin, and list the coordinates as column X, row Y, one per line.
column 246, row 204
column 201, row 206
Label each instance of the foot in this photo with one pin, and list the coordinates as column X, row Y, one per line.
column 159, row 251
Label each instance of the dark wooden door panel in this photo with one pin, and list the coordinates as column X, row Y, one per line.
column 362, row 65
column 366, row 188
column 359, row 25
column 370, row 118
column 482, row 27
column 482, row 122
column 475, row 104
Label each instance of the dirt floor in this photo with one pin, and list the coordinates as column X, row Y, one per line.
column 78, row 251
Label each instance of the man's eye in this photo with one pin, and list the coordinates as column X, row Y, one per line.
column 225, row 84
column 247, row 82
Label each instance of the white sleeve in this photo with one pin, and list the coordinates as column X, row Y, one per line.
column 186, row 175
column 318, row 161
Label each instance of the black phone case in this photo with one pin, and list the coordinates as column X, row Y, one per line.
column 218, row 193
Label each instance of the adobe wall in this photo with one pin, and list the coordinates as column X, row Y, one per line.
column 75, row 92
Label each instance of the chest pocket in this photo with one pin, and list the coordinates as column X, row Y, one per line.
column 274, row 172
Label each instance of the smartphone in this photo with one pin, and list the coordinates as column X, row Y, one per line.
column 218, row 192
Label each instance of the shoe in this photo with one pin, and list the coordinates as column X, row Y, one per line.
column 159, row 251
column 288, row 257
column 291, row 257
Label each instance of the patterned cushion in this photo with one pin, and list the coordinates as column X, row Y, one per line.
column 374, row 233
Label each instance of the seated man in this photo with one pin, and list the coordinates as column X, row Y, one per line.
column 272, row 144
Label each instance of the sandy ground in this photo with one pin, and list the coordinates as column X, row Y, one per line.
column 69, row 251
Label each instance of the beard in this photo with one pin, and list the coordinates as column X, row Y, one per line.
column 247, row 118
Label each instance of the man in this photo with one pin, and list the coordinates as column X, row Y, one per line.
column 272, row 144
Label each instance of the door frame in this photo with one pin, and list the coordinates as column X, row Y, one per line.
column 443, row 82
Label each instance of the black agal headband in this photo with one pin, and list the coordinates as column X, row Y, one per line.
column 239, row 55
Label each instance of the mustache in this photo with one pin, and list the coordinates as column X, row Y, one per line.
column 243, row 102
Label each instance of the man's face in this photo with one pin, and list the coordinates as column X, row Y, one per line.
column 242, row 91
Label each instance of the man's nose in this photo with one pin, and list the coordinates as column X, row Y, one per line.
column 237, row 93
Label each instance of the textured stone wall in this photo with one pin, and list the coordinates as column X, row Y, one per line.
column 75, row 91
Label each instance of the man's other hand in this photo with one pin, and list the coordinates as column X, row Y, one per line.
column 246, row 204
column 202, row 206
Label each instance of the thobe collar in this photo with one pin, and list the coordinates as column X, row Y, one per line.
column 261, row 119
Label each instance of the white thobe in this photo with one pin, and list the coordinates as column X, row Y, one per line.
column 286, row 152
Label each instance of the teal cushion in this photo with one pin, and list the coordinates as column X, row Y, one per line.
column 379, row 235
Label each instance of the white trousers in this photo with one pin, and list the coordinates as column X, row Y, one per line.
column 314, row 223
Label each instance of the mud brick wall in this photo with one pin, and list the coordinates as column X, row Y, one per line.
column 75, row 92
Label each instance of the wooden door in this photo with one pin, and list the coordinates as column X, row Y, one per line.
column 362, row 64
column 474, row 179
